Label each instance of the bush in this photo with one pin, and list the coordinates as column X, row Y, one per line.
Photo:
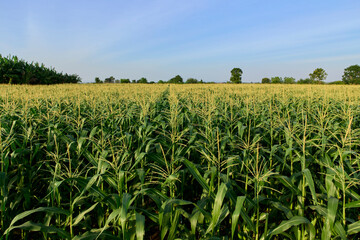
column 337, row 83
column 192, row 80
column 305, row 81
column 124, row 80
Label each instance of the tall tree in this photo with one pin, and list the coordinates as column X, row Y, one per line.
column 352, row 75
column 277, row 80
column 97, row 80
column 109, row 80
column 265, row 80
column 318, row 75
column 236, row 75
column 176, row 79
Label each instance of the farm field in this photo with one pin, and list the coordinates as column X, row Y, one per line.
column 160, row 161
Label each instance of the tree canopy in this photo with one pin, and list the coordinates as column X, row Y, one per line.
column 192, row 80
column 265, row 80
column 277, row 80
column 318, row 75
column 236, row 75
column 142, row 80
column 305, row 81
column 352, row 75
column 17, row 71
column 124, row 80
column 289, row 80
column 109, row 80
column 97, row 80
column 176, row 79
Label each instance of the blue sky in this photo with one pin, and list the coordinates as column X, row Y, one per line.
column 203, row 39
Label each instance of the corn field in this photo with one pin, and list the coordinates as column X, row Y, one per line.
column 180, row 162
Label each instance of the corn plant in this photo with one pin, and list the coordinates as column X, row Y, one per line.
column 179, row 161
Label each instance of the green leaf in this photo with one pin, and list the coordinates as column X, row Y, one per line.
column 332, row 209
column 193, row 170
column 174, row 225
column 339, row 229
column 140, row 226
column 38, row 227
column 124, row 209
column 285, row 225
column 82, row 214
column 236, row 214
column 330, row 186
column 330, row 218
column 286, row 181
column 217, row 208
column 111, row 217
column 355, row 204
column 281, row 207
column 310, row 182
column 89, row 185
column 353, row 228
column 40, row 209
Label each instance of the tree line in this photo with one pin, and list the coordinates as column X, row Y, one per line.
column 351, row 76
column 17, row 71
column 176, row 79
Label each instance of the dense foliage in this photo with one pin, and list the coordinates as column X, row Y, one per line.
column 236, row 74
column 180, row 161
column 265, row 80
column 352, row 75
column 17, row 71
column 176, row 79
column 277, row 80
column 318, row 75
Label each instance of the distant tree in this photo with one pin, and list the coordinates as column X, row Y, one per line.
column 236, row 75
column 117, row 81
column 133, row 81
column 97, row 80
column 161, row 81
column 192, row 80
column 352, row 75
column 305, row 81
column 318, row 75
column 176, row 79
column 277, row 80
column 151, row 82
column 142, row 80
column 124, row 80
column 289, row 80
column 109, row 80
column 265, row 80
